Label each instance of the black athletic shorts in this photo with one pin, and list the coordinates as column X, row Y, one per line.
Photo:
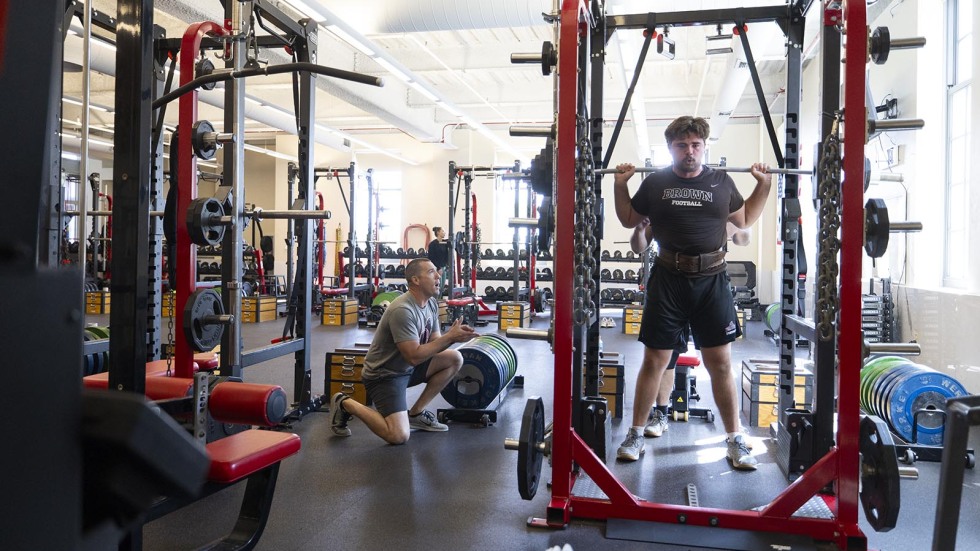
column 675, row 301
column 388, row 393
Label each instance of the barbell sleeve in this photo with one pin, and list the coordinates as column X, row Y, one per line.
column 907, row 43
column 525, row 57
column 904, row 226
column 290, row 214
column 522, row 222
column 512, row 444
column 533, row 334
column 888, row 177
column 897, row 348
column 886, row 125
column 532, row 131
column 908, row 472
column 156, row 213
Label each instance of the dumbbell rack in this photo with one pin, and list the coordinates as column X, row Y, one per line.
column 620, row 296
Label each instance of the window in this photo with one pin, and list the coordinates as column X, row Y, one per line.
column 959, row 82
column 389, row 186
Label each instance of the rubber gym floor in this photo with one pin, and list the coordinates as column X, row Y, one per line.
column 458, row 490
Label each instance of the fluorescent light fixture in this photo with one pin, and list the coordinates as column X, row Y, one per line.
column 390, row 67
column 92, row 106
column 271, row 153
column 421, row 89
column 71, row 156
column 307, row 10
column 348, row 38
column 718, row 51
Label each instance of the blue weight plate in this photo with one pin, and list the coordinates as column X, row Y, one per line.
column 887, row 385
column 504, row 345
column 489, row 362
column 477, row 378
column 879, row 396
column 499, row 359
column 924, row 389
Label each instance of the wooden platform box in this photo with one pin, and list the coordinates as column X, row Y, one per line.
column 258, row 309
column 348, row 318
column 167, row 305
column 514, row 310
column 760, row 381
column 615, row 402
column 631, row 328
column 97, row 302
column 505, row 323
column 340, row 306
column 343, row 374
column 760, row 390
column 632, row 314
column 443, row 312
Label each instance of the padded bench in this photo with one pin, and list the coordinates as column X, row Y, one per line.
column 685, row 390
column 464, row 308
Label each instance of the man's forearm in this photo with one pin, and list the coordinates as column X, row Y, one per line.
column 621, row 196
column 756, row 203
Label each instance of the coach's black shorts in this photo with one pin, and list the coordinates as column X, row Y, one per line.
column 388, row 394
column 675, row 300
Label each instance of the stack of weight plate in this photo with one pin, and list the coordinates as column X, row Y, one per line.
column 876, row 317
column 489, row 364
column 895, row 388
column 99, row 362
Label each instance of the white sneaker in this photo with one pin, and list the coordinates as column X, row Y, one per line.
column 657, row 425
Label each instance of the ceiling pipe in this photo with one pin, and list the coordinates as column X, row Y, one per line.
column 410, row 16
column 103, row 60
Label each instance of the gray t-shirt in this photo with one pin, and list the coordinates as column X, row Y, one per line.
column 403, row 320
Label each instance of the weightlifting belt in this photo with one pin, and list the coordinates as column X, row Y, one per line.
column 699, row 264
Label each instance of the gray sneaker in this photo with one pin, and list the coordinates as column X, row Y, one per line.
column 739, row 454
column 632, row 447
column 656, row 426
column 426, row 421
column 339, row 417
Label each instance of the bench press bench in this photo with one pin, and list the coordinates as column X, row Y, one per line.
column 252, row 455
column 464, row 308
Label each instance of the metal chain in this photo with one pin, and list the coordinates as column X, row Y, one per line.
column 585, row 223
column 828, row 191
column 170, row 330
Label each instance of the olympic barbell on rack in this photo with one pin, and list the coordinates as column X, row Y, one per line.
column 642, row 169
column 207, row 220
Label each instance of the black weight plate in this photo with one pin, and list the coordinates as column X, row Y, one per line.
column 530, row 458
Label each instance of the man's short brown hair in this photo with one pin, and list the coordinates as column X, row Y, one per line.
column 682, row 126
column 415, row 268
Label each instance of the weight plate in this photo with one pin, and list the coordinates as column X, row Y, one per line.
column 880, row 489
column 880, row 396
column 926, row 389
column 203, row 336
column 870, row 373
column 529, row 457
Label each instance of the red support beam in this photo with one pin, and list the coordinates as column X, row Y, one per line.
column 186, row 252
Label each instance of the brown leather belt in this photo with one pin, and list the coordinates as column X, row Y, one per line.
column 690, row 264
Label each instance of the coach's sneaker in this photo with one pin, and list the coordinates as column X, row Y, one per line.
column 632, row 447
column 656, row 426
column 339, row 417
column 426, row 421
column 739, row 454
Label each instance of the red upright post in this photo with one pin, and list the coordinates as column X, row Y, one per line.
column 186, row 252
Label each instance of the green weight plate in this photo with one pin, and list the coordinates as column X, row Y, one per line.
column 512, row 355
column 874, row 385
column 387, row 296
column 870, row 374
column 511, row 361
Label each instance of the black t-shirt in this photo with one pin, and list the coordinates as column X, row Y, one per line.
column 688, row 215
column 438, row 253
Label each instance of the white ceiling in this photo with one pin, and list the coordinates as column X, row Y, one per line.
column 459, row 51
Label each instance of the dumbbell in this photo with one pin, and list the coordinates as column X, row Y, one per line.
column 617, row 274
column 605, row 274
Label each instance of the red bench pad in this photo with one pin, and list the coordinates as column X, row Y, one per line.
column 248, row 403
column 244, row 453
column 334, row 292
column 157, row 388
column 689, row 360
column 461, row 301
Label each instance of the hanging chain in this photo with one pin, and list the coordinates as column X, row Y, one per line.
column 828, row 190
column 585, row 223
column 170, row 330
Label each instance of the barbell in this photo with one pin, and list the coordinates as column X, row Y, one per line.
column 643, row 169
